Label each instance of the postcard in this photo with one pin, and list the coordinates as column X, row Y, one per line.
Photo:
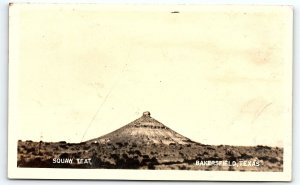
column 150, row 92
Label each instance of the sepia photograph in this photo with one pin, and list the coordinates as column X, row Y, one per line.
column 150, row 92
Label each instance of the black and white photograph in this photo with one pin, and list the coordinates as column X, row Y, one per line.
column 150, row 91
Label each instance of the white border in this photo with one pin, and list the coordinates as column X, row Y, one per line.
column 4, row 71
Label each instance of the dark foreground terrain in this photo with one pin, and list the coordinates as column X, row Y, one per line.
column 124, row 155
column 146, row 143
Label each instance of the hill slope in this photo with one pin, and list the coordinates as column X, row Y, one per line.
column 144, row 130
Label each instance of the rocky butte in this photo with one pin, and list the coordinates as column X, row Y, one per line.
column 144, row 130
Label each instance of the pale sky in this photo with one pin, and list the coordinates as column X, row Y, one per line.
column 217, row 75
